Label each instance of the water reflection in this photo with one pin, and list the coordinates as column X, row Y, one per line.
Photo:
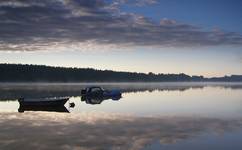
column 42, row 90
column 98, row 100
column 91, row 131
column 149, row 116
column 199, row 99
column 62, row 109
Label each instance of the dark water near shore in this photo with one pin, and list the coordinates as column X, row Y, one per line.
column 152, row 116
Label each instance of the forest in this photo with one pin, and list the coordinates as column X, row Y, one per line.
column 42, row 73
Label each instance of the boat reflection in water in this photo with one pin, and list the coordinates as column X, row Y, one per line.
column 62, row 109
column 96, row 95
column 44, row 104
column 99, row 99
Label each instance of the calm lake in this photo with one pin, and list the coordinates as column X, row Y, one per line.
column 149, row 116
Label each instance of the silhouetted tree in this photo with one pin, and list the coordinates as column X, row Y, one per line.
column 40, row 73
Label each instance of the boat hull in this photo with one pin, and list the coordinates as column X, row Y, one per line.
column 56, row 102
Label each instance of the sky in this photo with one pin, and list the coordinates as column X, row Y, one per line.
column 161, row 36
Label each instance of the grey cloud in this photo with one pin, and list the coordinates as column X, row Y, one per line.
column 78, row 24
column 136, row 2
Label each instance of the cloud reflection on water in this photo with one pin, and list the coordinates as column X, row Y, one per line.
column 92, row 131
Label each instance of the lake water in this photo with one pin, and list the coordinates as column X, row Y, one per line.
column 149, row 116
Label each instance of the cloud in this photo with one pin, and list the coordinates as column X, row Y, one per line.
column 136, row 2
column 83, row 25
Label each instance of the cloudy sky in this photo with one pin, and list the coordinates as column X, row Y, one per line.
column 163, row 36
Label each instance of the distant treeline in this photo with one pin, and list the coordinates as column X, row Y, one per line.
column 41, row 73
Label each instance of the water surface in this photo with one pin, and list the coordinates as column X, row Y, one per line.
column 155, row 116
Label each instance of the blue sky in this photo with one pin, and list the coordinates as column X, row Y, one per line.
column 160, row 36
column 224, row 14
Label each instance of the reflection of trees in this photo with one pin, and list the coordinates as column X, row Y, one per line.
column 14, row 91
column 103, row 131
column 160, row 89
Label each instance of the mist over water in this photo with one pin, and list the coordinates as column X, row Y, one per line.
column 148, row 116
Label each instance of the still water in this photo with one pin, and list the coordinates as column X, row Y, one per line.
column 149, row 116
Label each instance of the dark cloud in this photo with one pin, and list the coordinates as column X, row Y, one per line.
column 93, row 131
column 31, row 25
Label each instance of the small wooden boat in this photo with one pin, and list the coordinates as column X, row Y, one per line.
column 43, row 102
